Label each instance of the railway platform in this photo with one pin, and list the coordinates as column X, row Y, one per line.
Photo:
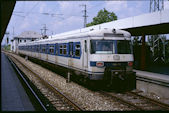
column 153, row 83
column 13, row 95
column 154, row 76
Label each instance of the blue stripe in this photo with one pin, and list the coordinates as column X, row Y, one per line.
column 92, row 63
column 109, row 64
column 115, row 43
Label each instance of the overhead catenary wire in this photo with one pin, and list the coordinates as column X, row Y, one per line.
column 32, row 8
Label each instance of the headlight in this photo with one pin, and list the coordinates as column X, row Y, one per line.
column 130, row 64
column 99, row 64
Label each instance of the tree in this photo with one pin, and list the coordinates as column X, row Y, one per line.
column 102, row 17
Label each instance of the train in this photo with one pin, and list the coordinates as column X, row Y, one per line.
column 104, row 56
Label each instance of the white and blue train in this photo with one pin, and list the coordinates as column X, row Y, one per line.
column 104, row 54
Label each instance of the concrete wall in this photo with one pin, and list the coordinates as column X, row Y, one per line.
column 153, row 83
column 161, row 91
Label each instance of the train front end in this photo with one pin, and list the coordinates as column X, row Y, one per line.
column 111, row 57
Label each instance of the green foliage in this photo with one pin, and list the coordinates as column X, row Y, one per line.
column 7, row 47
column 102, row 17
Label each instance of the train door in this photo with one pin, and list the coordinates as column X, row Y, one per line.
column 56, row 52
column 39, row 48
column 85, row 56
column 70, row 61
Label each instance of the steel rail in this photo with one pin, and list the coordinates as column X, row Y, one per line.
column 27, row 84
column 163, row 105
column 123, row 101
column 78, row 108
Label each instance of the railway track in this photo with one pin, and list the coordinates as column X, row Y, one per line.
column 137, row 102
column 60, row 101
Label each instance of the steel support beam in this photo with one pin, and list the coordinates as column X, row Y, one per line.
column 143, row 53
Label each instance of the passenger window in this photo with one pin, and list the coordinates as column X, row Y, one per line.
column 51, row 49
column 61, row 49
column 77, row 50
column 32, row 48
column 64, row 50
column 29, row 48
column 37, row 48
column 43, row 49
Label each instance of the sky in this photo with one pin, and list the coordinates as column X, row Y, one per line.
column 65, row 16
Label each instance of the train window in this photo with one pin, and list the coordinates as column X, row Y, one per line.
column 37, row 48
column 61, row 49
column 33, row 48
column 64, row 50
column 123, row 47
column 43, row 49
column 51, row 49
column 28, row 48
column 77, row 50
column 102, row 47
column 65, row 46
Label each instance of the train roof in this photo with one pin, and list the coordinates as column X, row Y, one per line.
column 81, row 33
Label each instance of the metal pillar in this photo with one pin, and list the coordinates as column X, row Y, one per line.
column 143, row 53
column 158, row 54
column 158, row 48
column 156, row 5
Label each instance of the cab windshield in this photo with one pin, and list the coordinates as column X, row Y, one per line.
column 110, row 47
column 123, row 47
